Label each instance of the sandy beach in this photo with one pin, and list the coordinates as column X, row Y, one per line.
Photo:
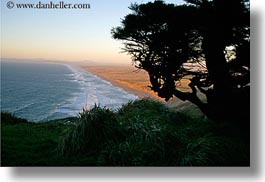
column 126, row 77
column 136, row 82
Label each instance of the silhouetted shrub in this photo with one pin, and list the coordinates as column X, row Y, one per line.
column 8, row 118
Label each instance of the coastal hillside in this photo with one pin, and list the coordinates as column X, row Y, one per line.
column 140, row 133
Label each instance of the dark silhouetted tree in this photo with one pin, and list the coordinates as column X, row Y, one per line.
column 205, row 41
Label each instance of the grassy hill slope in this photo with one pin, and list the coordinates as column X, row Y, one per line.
column 141, row 133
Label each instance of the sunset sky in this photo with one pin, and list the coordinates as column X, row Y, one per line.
column 68, row 34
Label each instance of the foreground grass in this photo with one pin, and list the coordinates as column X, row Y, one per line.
column 141, row 133
column 30, row 144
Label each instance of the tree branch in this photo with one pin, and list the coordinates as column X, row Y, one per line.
column 192, row 97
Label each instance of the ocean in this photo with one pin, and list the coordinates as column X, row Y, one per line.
column 45, row 91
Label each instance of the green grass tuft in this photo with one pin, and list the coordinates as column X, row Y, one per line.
column 146, row 133
column 94, row 128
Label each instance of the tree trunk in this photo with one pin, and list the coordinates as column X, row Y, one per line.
column 223, row 101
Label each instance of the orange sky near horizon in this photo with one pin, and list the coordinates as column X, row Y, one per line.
column 64, row 52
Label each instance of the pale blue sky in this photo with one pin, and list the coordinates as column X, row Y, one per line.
column 71, row 35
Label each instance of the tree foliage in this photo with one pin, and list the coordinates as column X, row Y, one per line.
column 205, row 41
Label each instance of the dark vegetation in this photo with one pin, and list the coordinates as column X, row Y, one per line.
column 141, row 133
column 204, row 41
